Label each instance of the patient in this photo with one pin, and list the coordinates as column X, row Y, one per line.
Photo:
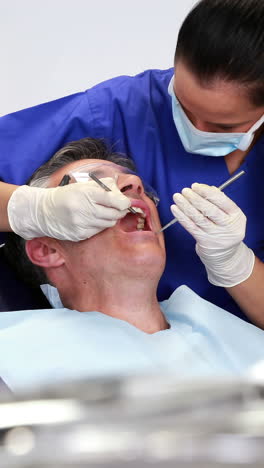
column 110, row 323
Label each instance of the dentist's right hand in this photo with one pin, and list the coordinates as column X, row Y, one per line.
column 73, row 212
column 218, row 225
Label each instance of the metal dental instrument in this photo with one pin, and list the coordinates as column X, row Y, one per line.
column 65, row 180
column 107, row 189
column 221, row 187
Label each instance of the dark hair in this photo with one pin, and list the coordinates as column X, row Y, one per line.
column 225, row 39
column 87, row 148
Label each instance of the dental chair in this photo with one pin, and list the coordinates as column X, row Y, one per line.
column 14, row 294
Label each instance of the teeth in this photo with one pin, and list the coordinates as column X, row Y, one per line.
column 140, row 224
column 139, row 210
column 141, row 219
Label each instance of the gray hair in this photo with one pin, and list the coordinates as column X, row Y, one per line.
column 86, row 148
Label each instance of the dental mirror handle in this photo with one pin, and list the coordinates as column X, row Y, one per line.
column 221, row 187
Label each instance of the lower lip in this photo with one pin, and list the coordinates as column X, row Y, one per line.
column 150, row 234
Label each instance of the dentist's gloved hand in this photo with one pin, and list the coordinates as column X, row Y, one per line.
column 73, row 212
column 218, row 226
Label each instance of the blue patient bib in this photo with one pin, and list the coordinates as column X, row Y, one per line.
column 42, row 347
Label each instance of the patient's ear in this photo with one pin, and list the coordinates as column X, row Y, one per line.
column 45, row 252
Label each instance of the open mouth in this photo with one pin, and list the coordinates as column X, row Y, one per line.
column 136, row 222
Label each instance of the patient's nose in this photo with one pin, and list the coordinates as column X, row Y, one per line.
column 130, row 184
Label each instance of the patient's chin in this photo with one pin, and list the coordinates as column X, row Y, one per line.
column 146, row 263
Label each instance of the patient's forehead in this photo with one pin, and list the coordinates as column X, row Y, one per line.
column 55, row 179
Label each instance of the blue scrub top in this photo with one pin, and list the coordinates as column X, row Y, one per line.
column 134, row 115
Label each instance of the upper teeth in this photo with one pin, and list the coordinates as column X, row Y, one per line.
column 140, row 224
column 141, row 219
column 139, row 210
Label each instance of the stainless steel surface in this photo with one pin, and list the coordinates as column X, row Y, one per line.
column 134, row 423
column 231, row 180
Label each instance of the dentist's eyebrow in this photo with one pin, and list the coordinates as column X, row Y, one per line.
column 217, row 124
column 229, row 124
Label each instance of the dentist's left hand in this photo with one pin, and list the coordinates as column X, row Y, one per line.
column 218, row 225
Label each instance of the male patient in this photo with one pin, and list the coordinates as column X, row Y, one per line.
column 111, row 322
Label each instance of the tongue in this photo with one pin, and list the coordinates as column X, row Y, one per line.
column 129, row 223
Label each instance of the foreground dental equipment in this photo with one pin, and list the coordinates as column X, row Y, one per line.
column 221, row 187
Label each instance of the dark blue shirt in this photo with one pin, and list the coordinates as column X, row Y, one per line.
column 134, row 115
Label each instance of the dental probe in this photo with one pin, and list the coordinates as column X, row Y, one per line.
column 107, row 189
column 221, row 187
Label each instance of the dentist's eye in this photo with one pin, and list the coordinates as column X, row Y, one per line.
column 226, row 127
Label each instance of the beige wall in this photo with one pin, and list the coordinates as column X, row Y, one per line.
column 50, row 48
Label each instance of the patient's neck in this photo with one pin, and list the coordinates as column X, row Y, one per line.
column 131, row 299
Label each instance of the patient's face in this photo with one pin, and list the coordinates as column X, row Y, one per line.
column 122, row 248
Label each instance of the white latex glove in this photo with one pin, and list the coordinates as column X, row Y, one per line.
column 73, row 212
column 218, row 226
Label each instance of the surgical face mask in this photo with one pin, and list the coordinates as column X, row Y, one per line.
column 208, row 143
column 101, row 170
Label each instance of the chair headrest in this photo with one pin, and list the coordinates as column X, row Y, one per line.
column 15, row 294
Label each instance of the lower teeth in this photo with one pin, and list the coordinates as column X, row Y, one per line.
column 141, row 224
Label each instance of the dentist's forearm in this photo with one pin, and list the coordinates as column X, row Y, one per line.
column 249, row 294
column 6, row 191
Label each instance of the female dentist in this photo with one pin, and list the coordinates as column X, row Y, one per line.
column 199, row 122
